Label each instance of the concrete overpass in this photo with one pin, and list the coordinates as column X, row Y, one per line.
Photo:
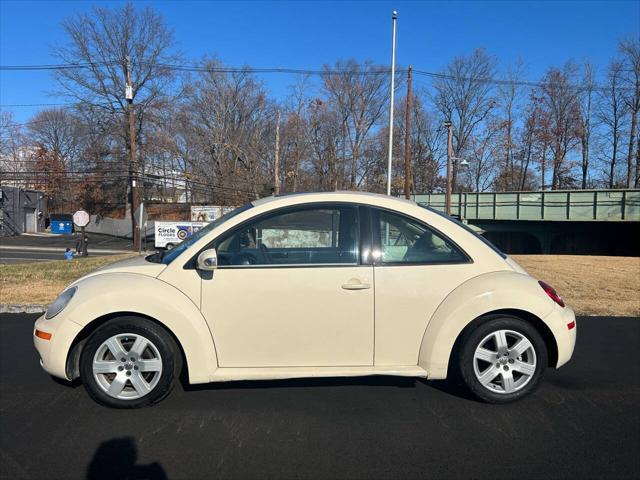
column 598, row 222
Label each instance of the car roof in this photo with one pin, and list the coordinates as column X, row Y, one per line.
column 337, row 196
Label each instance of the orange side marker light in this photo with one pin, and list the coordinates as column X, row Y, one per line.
column 43, row 335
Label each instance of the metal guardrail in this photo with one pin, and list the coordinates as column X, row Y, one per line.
column 555, row 205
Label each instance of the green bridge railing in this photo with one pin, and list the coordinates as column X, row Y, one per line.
column 556, row 205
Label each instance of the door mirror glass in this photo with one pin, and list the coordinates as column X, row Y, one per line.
column 208, row 260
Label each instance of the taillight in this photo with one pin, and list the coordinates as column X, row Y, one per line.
column 553, row 295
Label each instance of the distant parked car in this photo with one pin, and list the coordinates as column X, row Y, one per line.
column 309, row 285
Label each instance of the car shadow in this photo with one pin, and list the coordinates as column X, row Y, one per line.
column 373, row 380
column 452, row 388
column 444, row 386
column 67, row 383
column 117, row 458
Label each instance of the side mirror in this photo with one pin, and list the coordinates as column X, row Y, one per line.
column 208, row 260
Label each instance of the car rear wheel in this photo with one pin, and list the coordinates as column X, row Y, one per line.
column 129, row 363
column 502, row 359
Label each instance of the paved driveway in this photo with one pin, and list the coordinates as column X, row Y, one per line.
column 584, row 422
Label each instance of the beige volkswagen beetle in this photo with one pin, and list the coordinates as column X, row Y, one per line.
column 310, row 285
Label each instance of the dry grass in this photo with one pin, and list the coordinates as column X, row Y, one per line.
column 41, row 282
column 590, row 285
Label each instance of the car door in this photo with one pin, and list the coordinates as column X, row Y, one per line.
column 290, row 291
column 416, row 267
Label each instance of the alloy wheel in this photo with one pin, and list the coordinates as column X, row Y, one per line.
column 504, row 361
column 127, row 366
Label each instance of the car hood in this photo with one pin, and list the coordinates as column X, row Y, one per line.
column 138, row 265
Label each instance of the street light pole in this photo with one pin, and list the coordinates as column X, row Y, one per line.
column 448, row 124
column 394, row 18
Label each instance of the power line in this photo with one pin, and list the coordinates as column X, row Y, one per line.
column 300, row 71
column 59, row 66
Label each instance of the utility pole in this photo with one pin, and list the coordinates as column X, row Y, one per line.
column 133, row 168
column 394, row 18
column 276, row 161
column 449, row 126
column 407, row 141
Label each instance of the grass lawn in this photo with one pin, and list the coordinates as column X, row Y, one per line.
column 41, row 282
column 590, row 285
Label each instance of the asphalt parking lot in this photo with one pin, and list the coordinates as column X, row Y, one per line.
column 583, row 422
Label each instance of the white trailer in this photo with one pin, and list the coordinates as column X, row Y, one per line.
column 169, row 234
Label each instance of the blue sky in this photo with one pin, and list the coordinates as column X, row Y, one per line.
column 310, row 34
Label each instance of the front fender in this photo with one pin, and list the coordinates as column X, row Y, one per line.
column 113, row 293
column 474, row 298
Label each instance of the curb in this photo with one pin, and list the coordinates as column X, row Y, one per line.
column 23, row 308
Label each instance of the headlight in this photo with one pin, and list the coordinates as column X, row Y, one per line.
column 59, row 303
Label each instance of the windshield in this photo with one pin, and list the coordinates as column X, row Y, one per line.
column 170, row 255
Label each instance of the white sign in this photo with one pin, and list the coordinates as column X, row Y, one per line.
column 169, row 234
column 81, row 218
column 208, row 213
column 141, row 211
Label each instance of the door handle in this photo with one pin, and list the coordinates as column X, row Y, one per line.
column 356, row 285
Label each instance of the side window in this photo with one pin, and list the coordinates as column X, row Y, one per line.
column 404, row 240
column 310, row 236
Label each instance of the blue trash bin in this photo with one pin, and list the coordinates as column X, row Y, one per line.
column 62, row 224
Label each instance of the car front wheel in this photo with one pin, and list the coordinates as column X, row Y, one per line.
column 502, row 360
column 129, row 363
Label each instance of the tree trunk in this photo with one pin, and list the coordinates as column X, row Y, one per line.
column 585, row 161
column 632, row 135
column 613, row 161
column 543, row 163
column 637, row 184
column 523, row 178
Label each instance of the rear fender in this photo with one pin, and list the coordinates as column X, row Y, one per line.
column 478, row 296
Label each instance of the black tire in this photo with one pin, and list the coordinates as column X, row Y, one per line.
column 165, row 346
column 471, row 340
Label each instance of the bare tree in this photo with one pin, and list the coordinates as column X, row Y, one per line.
column 482, row 155
column 508, row 97
column 58, row 131
column 630, row 49
column 234, row 123
column 428, row 144
column 612, row 113
column 360, row 94
column 560, row 100
column 585, row 124
column 530, row 141
column 100, row 42
column 14, row 162
column 295, row 144
column 464, row 95
column 324, row 129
